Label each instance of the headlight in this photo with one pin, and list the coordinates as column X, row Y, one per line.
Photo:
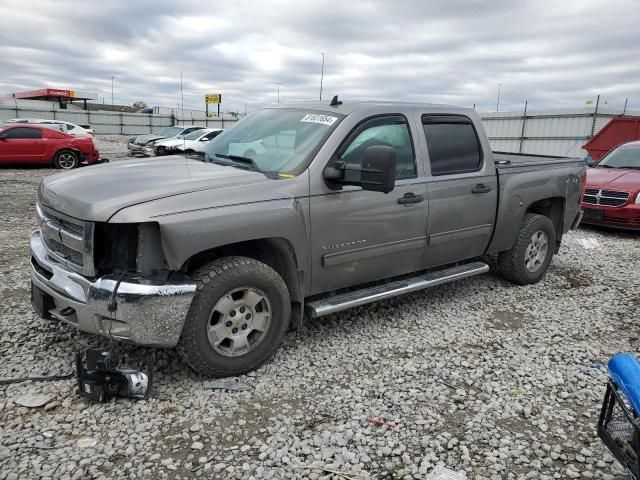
column 638, row 198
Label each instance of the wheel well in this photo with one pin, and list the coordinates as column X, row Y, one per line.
column 553, row 208
column 275, row 252
column 66, row 149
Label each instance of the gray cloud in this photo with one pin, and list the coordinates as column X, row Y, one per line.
column 554, row 54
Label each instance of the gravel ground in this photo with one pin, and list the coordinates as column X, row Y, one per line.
column 481, row 377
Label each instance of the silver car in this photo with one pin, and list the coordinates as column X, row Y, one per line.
column 143, row 144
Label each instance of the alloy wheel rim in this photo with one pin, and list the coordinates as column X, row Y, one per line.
column 536, row 252
column 239, row 321
column 66, row 160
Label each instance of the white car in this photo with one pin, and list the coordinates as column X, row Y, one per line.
column 68, row 127
column 192, row 143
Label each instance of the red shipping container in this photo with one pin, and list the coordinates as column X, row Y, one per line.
column 618, row 131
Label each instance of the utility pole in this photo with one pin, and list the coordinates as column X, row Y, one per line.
column 321, row 75
column 498, row 103
column 112, row 93
column 278, row 86
column 182, row 98
column 624, row 110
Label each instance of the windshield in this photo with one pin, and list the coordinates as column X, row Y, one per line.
column 195, row 135
column 622, row 157
column 274, row 140
column 168, row 132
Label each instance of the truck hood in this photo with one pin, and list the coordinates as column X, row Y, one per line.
column 614, row 178
column 96, row 193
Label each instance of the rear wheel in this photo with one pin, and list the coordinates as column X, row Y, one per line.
column 237, row 319
column 531, row 254
column 66, row 160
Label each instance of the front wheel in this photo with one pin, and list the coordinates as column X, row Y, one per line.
column 66, row 160
column 237, row 319
column 532, row 251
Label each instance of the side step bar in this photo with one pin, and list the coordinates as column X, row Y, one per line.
column 344, row 301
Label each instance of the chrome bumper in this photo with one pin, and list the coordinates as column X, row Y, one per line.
column 146, row 314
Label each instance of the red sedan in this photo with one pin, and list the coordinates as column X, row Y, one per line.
column 38, row 144
column 612, row 193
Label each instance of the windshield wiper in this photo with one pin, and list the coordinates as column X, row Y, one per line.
column 245, row 163
column 604, row 166
column 242, row 162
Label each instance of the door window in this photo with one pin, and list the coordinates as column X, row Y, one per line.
column 24, row 132
column 210, row 136
column 392, row 134
column 452, row 143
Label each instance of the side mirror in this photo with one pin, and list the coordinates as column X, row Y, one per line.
column 377, row 173
column 591, row 162
column 379, row 169
column 3, row 135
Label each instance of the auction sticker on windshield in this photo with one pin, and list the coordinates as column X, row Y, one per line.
column 318, row 118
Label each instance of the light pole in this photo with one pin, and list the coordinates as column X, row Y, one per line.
column 498, row 103
column 278, row 86
column 321, row 75
column 112, row 93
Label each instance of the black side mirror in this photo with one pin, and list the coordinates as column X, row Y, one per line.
column 377, row 173
column 4, row 135
column 379, row 169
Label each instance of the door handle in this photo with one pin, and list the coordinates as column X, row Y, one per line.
column 410, row 198
column 481, row 188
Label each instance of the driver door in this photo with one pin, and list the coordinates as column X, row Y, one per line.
column 360, row 236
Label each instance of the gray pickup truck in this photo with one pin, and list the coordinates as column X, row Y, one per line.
column 300, row 209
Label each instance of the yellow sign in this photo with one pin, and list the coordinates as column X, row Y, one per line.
column 213, row 98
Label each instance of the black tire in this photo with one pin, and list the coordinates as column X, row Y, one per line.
column 66, row 160
column 161, row 151
column 512, row 263
column 189, row 152
column 214, row 281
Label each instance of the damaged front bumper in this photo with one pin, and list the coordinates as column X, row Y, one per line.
column 146, row 314
column 135, row 149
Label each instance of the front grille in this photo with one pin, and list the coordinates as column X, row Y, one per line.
column 68, row 240
column 64, row 251
column 609, row 198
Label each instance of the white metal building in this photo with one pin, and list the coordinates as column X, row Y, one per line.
column 547, row 132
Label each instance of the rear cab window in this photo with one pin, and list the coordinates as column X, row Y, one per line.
column 453, row 144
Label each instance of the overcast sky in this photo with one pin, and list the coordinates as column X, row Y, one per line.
column 554, row 54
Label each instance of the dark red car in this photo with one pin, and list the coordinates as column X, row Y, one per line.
column 38, row 144
column 612, row 192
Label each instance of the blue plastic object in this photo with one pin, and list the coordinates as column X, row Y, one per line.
column 624, row 370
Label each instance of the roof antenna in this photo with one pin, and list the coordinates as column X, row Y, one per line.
column 335, row 102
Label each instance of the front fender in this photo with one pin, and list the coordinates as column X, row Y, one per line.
column 199, row 221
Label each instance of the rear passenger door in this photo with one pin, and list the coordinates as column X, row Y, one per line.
column 462, row 190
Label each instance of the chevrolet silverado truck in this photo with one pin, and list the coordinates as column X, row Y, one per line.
column 300, row 210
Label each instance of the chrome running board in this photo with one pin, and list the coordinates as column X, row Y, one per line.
column 344, row 301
